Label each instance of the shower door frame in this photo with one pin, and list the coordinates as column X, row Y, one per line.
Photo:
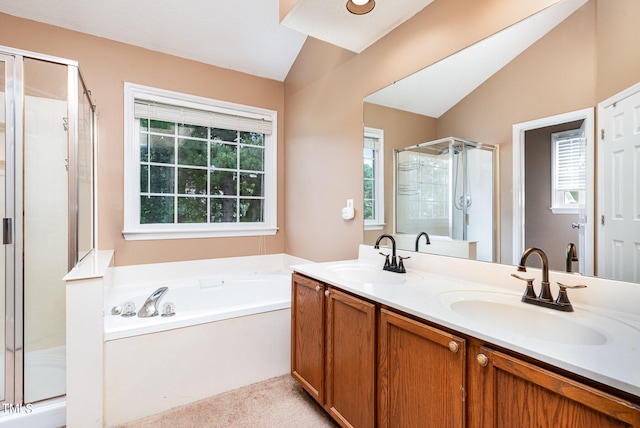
column 14, row 137
column 14, row 317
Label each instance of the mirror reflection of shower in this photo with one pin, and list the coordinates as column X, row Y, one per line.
column 446, row 187
column 461, row 186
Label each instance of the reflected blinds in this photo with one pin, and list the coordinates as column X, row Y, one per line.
column 570, row 156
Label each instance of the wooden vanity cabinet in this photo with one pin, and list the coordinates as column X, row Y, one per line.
column 505, row 391
column 428, row 376
column 308, row 334
column 351, row 359
column 333, row 350
column 421, row 374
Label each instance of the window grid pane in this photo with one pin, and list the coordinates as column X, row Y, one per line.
column 195, row 174
column 369, row 184
column 373, row 180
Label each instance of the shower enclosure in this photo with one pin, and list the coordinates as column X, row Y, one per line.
column 448, row 188
column 46, row 173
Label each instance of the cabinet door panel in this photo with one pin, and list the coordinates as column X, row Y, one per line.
column 421, row 374
column 521, row 394
column 307, row 335
column 351, row 366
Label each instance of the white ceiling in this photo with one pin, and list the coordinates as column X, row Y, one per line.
column 329, row 20
column 443, row 84
column 242, row 35
column 246, row 36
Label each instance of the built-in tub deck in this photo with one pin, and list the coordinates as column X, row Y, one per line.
column 198, row 301
column 231, row 328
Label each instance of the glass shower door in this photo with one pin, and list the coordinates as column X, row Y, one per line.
column 45, row 190
column 474, row 200
column 46, row 181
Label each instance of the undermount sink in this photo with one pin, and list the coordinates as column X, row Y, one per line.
column 506, row 312
column 367, row 274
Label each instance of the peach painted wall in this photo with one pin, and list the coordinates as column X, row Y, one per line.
column 618, row 46
column 555, row 75
column 320, row 166
column 323, row 101
column 106, row 65
column 401, row 129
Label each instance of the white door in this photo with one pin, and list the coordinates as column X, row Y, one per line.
column 619, row 187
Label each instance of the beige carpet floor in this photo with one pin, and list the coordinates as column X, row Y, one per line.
column 279, row 402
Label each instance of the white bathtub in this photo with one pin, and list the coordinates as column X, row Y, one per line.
column 198, row 301
column 232, row 328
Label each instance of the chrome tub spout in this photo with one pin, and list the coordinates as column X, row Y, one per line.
column 150, row 307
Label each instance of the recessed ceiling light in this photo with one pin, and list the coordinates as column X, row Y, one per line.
column 360, row 7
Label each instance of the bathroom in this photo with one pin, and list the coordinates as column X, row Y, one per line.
column 319, row 146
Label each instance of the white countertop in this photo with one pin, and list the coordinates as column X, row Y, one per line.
column 94, row 265
column 427, row 293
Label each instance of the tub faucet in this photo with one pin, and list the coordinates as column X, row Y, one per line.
column 393, row 265
column 150, row 307
column 418, row 239
column 572, row 256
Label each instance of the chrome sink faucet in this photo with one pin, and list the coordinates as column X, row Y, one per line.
column 150, row 306
column 426, row 236
column 545, row 297
column 393, row 265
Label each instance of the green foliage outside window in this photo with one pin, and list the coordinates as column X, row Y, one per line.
column 368, row 192
column 196, row 174
column 369, row 184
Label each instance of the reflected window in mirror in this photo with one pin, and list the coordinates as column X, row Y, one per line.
column 569, row 171
column 373, row 179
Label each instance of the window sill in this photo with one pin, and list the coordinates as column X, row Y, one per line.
column 148, row 235
column 558, row 210
column 374, row 226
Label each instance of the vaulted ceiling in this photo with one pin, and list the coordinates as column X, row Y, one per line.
column 245, row 36
column 263, row 37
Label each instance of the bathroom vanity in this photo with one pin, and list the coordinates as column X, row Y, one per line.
column 376, row 348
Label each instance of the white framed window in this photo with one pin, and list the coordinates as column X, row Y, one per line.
column 197, row 167
column 373, row 179
column 568, row 171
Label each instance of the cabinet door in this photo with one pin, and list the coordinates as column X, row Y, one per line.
column 351, row 359
column 421, row 375
column 517, row 393
column 307, row 334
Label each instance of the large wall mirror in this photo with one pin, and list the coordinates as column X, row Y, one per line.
column 539, row 94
